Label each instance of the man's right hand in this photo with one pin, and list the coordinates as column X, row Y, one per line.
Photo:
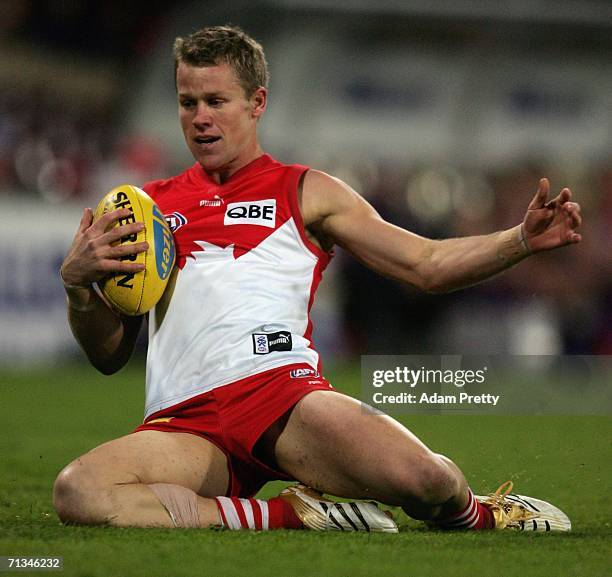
column 92, row 255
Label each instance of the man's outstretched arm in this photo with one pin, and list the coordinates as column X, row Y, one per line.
column 334, row 210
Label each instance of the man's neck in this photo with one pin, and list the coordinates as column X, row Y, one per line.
column 221, row 175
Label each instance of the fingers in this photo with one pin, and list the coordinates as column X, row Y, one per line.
column 572, row 209
column 118, row 252
column 106, row 221
column 126, row 230
column 86, row 220
column 574, row 220
column 539, row 200
column 120, row 259
column 97, row 251
column 104, row 231
column 564, row 196
column 120, row 266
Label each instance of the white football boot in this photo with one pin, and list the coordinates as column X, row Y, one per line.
column 523, row 513
column 322, row 515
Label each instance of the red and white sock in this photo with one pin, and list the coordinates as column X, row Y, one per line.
column 257, row 514
column 474, row 516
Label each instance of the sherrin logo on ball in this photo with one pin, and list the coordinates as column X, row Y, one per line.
column 136, row 293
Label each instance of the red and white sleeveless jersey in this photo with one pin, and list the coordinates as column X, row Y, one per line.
column 245, row 285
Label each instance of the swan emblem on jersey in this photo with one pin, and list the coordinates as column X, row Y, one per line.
column 212, row 252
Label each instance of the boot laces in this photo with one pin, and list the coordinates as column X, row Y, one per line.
column 513, row 514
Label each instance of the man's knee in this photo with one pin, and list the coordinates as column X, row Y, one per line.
column 79, row 497
column 431, row 481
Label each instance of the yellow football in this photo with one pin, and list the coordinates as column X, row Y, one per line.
column 136, row 293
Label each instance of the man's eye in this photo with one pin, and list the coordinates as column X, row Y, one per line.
column 215, row 102
column 186, row 103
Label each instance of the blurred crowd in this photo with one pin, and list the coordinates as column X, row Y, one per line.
column 65, row 72
column 60, row 151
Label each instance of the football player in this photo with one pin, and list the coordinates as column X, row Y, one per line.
column 235, row 396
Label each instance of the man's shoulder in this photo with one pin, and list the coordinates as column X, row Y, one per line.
column 268, row 164
column 321, row 195
column 329, row 202
column 320, row 185
column 156, row 187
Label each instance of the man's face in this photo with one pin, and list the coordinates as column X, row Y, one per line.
column 218, row 120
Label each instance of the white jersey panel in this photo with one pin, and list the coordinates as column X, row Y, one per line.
column 206, row 338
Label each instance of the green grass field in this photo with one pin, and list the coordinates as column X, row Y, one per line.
column 49, row 416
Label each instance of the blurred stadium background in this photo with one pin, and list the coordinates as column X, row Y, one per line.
column 443, row 114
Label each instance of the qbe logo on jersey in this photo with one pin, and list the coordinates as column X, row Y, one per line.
column 257, row 212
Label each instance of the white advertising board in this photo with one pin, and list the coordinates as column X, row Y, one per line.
column 34, row 238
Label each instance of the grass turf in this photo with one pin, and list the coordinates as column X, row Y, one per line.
column 48, row 416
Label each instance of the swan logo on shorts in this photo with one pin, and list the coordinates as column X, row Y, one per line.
column 257, row 212
column 264, row 343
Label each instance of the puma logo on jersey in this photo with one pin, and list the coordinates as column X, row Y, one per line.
column 257, row 212
column 216, row 201
column 264, row 343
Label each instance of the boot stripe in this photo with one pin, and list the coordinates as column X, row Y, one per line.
column 331, row 516
column 527, row 504
column 360, row 516
column 346, row 517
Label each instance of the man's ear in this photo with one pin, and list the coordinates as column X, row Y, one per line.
column 259, row 100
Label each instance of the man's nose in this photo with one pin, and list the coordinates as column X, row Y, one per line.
column 202, row 116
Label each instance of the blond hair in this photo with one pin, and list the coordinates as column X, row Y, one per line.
column 216, row 45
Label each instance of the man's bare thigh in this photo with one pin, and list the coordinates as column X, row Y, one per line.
column 159, row 457
column 334, row 443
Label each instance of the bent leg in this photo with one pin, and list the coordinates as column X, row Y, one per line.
column 339, row 446
column 110, row 484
